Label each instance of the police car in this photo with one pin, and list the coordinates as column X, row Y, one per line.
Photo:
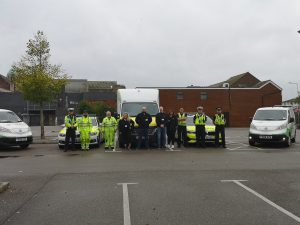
column 96, row 138
column 210, row 129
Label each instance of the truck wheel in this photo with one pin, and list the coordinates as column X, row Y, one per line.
column 251, row 143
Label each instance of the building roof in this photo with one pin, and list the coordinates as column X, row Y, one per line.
column 4, row 78
column 234, row 80
column 98, row 85
column 244, row 81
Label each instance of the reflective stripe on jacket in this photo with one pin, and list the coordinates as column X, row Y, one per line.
column 199, row 119
column 109, row 122
column 85, row 123
column 181, row 116
column 70, row 120
column 219, row 119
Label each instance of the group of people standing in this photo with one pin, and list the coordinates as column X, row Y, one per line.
column 167, row 126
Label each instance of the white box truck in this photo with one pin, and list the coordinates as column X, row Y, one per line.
column 132, row 101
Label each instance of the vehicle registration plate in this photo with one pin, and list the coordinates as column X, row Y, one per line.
column 21, row 139
column 210, row 137
column 265, row 137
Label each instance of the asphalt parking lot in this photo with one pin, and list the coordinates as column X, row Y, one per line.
column 237, row 185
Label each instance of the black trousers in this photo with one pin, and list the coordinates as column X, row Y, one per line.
column 125, row 139
column 200, row 135
column 70, row 133
column 181, row 131
column 220, row 129
column 171, row 135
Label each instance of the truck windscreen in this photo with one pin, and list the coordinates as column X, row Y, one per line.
column 134, row 108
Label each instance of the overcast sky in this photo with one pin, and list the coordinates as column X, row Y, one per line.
column 160, row 42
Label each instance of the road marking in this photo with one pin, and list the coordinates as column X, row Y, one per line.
column 126, row 209
column 238, row 182
column 112, row 151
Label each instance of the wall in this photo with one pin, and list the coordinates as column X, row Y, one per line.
column 240, row 104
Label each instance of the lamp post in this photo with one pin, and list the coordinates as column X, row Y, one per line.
column 298, row 93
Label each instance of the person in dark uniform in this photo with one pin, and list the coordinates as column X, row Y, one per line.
column 143, row 120
column 126, row 126
column 161, row 121
column 181, row 128
column 71, row 126
column 200, row 121
column 219, row 121
column 172, row 123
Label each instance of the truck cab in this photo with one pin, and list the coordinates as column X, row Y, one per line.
column 132, row 101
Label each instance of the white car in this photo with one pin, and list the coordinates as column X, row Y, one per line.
column 13, row 131
column 273, row 124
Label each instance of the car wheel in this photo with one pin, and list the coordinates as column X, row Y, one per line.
column 251, row 143
column 24, row 146
column 288, row 142
column 293, row 140
column 61, row 147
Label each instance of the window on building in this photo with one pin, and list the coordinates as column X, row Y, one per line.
column 179, row 95
column 203, row 96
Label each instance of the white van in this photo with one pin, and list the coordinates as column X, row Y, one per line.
column 13, row 131
column 132, row 101
column 273, row 124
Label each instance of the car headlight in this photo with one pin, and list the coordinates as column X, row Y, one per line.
column 93, row 133
column 253, row 126
column 3, row 129
column 281, row 127
column 62, row 135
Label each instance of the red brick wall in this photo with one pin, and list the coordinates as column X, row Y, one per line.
column 4, row 84
column 248, row 79
column 241, row 104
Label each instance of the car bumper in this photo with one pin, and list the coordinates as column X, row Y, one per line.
column 268, row 138
column 15, row 141
column 93, row 141
column 191, row 138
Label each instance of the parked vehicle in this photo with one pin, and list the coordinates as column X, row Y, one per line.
column 132, row 101
column 273, row 124
column 191, row 130
column 13, row 131
column 96, row 138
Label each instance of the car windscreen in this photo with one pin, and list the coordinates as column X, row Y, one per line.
column 190, row 122
column 270, row 115
column 94, row 121
column 134, row 108
column 9, row 117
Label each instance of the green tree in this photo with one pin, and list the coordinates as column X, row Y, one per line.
column 38, row 80
column 98, row 108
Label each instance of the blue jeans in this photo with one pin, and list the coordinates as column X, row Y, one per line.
column 143, row 136
column 161, row 137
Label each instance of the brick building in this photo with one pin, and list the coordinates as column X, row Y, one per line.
column 5, row 85
column 239, row 96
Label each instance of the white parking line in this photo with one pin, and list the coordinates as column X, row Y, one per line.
column 126, row 208
column 238, row 182
column 112, row 151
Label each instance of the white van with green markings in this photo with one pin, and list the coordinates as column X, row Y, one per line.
column 273, row 125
